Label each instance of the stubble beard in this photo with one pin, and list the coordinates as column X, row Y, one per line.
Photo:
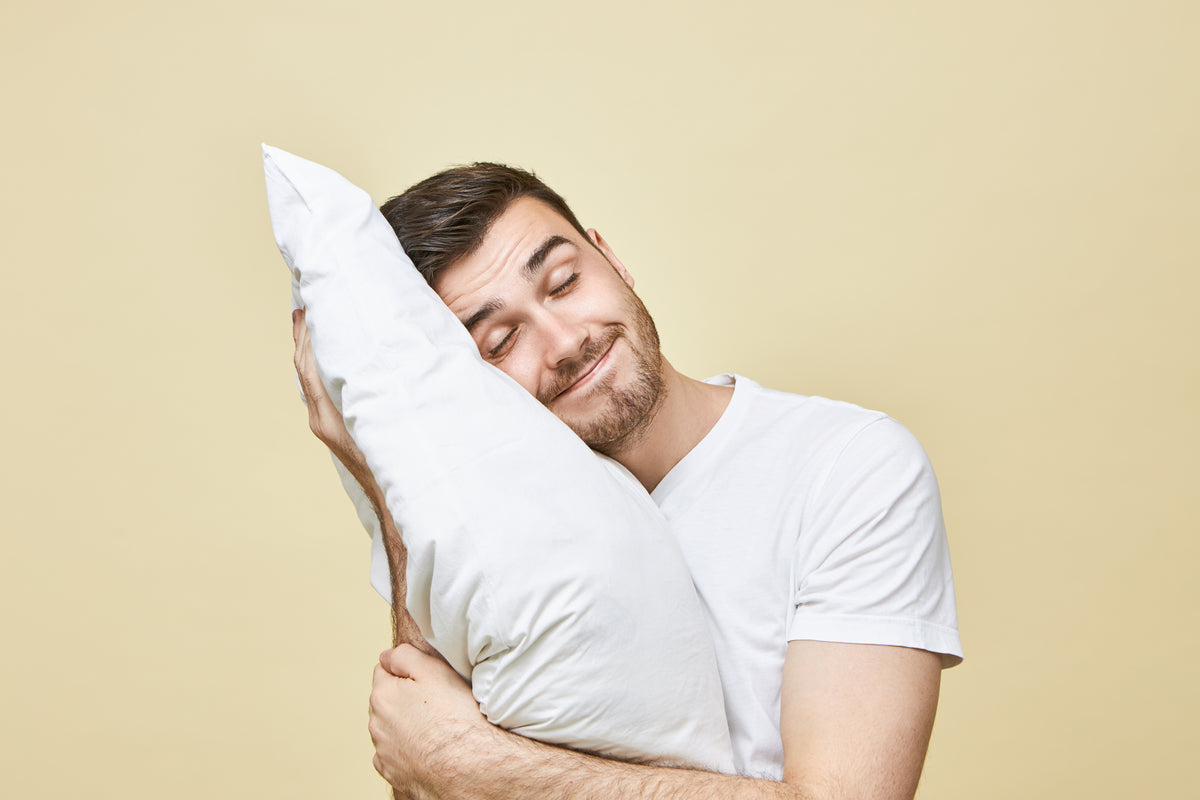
column 629, row 410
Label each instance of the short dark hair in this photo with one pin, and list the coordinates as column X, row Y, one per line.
column 446, row 216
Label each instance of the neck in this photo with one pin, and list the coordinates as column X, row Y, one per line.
column 688, row 411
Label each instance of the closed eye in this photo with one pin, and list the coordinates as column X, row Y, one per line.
column 562, row 288
column 565, row 285
column 496, row 351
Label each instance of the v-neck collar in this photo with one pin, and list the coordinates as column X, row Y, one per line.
column 713, row 441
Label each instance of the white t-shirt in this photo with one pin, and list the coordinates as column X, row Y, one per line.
column 807, row 518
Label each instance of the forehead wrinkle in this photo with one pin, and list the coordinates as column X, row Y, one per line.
column 491, row 306
column 497, row 250
column 529, row 271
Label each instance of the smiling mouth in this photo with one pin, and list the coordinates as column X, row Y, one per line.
column 588, row 374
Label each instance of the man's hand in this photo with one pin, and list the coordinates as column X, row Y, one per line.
column 323, row 417
column 420, row 707
column 856, row 721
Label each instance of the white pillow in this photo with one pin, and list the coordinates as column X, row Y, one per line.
column 540, row 570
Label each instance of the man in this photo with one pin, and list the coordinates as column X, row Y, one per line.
column 812, row 528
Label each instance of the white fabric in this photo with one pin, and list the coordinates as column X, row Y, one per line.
column 806, row 518
column 540, row 570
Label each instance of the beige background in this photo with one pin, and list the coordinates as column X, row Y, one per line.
column 981, row 218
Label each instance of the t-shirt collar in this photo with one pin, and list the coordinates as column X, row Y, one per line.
column 713, row 441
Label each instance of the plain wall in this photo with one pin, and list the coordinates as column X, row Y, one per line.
column 980, row 218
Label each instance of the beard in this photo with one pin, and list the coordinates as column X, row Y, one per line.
column 627, row 411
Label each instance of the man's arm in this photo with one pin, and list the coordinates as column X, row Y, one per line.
column 856, row 719
column 326, row 422
column 856, row 723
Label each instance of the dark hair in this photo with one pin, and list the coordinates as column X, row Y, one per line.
column 446, row 216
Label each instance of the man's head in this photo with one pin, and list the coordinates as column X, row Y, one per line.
column 445, row 217
column 546, row 301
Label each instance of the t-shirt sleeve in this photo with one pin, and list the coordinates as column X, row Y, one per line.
column 872, row 565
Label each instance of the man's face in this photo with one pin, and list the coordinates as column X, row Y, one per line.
column 559, row 316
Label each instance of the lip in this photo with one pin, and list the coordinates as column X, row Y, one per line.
column 586, row 377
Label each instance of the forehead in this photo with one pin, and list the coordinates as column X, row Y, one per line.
column 498, row 261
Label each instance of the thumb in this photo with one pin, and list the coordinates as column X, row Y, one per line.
column 403, row 661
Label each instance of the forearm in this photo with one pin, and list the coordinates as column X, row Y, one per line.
column 404, row 627
column 505, row 766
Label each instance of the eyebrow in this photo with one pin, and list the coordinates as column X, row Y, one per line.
column 530, row 270
column 538, row 258
column 485, row 311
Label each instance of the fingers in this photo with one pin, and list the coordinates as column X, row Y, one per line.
column 380, row 676
column 380, row 700
column 387, row 702
column 323, row 417
column 404, row 661
column 302, row 359
column 303, row 355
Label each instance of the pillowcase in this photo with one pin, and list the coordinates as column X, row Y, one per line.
column 541, row 571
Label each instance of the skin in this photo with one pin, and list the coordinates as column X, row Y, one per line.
column 552, row 322
column 855, row 719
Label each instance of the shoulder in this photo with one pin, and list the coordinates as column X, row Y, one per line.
column 820, row 428
column 848, row 453
column 881, row 443
column 838, row 413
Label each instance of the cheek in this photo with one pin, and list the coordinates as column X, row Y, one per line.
column 613, row 301
column 520, row 369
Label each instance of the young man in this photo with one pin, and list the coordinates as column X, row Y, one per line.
column 812, row 528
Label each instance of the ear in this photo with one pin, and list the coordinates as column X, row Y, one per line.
column 608, row 253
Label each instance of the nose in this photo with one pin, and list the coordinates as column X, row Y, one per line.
column 565, row 337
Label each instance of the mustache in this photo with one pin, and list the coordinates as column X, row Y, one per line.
column 570, row 372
